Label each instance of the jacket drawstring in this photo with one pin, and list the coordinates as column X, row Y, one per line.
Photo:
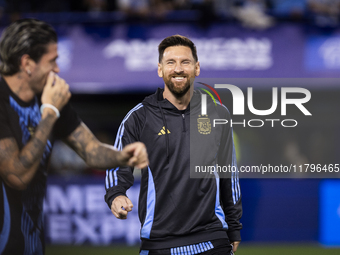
column 166, row 132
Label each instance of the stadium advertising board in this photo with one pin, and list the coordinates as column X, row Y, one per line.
column 75, row 213
column 121, row 60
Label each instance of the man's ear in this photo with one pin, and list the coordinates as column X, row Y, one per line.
column 26, row 63
column 159, row 70
column 197, row 69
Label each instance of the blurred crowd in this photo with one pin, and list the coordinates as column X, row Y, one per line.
column 257, row 14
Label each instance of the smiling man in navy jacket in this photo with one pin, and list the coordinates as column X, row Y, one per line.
column 179, row 214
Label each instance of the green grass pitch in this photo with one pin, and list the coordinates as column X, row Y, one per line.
column 282, row 249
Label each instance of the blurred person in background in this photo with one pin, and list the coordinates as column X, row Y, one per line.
column 206, row 9
column 2, row 7
column 324, row 13
column 224, row 8
column 15, row 8
column 253, row 14
column 160, row 8
column 134, row 8
column 291, row 10
column 34, row 111
column 95, row 5
column 179, row 214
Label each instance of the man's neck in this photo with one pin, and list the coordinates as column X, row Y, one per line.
column 180, row 103
column 19, row 86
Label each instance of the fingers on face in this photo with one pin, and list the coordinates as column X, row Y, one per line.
column 63, row 86
column 66, row 88
column 50, row 79
column 57, row 81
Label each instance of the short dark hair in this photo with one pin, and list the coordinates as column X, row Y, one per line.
column 25, row 36
column 176, row 40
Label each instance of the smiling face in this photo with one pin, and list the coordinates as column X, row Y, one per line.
column 177, row 68
column 41, row 69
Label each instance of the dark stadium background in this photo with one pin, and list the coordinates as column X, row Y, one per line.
column 281, row 216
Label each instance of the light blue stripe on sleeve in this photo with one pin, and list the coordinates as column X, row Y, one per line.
column 115, row 176
column 121, row 127
column 235, row 177
column 107, row 179
column 218, row 209
column 111, row 174
column 233, row 187
column 7, row 222
column 150, row 210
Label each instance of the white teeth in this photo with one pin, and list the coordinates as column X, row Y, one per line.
column 179, row 78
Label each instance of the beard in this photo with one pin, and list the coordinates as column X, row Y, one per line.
column 38, row 83
column 178, row 91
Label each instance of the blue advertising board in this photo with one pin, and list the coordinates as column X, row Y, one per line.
column 322, row 53
column 329, row 224
column 124, row 60
column 76, row 213
column 275, row 210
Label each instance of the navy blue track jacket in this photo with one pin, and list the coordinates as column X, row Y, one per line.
column 175, row 209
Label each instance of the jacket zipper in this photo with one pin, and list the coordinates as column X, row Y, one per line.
column 184, row 129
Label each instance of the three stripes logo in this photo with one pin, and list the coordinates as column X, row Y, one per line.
column 162, row 131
